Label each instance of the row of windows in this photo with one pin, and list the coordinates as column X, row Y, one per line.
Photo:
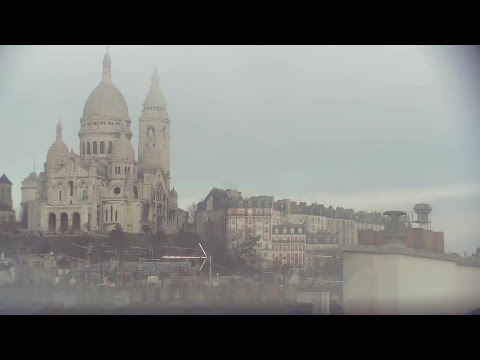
column 319, row 241
column 314, row 228
column 292, row 230
column 288, row 247
column 259, row 204
column 70, row 189
column 90, row 123
column 320, row 248
column 250, row 212
column 85, row 148
column 126, row 170
column 259, row 245
column 289, row 238
column 292, row 256
column 111, row 214
column 317, row 219
column 251, row 220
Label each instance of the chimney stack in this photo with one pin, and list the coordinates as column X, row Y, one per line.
column 395, row 231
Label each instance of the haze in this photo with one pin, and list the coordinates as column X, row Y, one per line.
column 363, row 127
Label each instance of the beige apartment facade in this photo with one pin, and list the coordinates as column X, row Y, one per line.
column 251, row 217
column 318, row 247
column 7, row 214
column 288, row 245
column 345, row 229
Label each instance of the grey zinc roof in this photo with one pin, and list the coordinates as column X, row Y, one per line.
column 4, row 180
column 5, row 207
column 220, row 199
column 254, row 199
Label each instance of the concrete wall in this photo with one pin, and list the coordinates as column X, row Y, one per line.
column 382, row 280
column 320, row 301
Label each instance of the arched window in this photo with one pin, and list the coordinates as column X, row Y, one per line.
column 102, row 147
column 60, row 195
column 116, row 215
column 70, row 185
column 95, row 147
column 88, row 148
column 110, row 144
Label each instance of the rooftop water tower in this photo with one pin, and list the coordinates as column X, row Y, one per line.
column 424, row 218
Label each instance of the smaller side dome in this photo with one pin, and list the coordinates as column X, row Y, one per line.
column 58, row 150
column 33, row 177
column 149, row 157
column 173, row 193
column 122, row 148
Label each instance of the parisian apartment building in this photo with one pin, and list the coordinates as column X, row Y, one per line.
column 286, row 232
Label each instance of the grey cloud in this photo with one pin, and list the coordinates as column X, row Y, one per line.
column 271, row 119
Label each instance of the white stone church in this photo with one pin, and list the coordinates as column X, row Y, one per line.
column 104, row 184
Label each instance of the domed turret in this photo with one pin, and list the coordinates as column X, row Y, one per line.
column 104, row 112
column 154, row 99
column 123, row 149
column 106, row 100
column 29, row 188
column 173, row 198
column 58, row 150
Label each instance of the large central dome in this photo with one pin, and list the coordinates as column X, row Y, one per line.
column 106, row 100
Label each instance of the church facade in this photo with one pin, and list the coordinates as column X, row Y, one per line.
column 104, row 184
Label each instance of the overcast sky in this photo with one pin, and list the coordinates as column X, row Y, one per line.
column 363, row 127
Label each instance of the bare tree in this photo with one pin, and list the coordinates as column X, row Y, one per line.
column 191, row 209
column 20, row 217
column 247, row 251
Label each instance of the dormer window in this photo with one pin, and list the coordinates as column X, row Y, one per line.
column 240, row 204
column 249, row 204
